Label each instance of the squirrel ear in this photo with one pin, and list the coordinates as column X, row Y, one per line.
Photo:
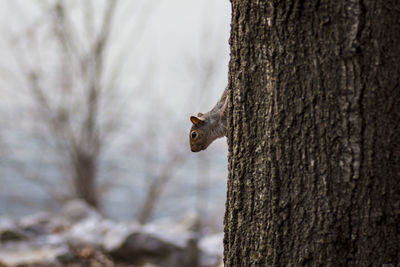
column 196, row 121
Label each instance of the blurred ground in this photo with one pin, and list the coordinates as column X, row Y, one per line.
column 80, row 236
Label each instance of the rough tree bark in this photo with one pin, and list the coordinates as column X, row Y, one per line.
column 314, row 134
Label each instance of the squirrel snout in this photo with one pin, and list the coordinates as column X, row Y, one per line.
column 193, row 149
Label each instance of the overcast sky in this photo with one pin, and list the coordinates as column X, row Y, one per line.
column 171, row 36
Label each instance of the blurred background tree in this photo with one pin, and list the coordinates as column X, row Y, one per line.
column 95, row 104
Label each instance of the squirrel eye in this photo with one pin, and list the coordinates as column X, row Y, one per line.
column 194, row 134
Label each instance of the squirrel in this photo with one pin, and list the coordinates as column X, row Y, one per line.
column 209, row 126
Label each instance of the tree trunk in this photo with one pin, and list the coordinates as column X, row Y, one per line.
column 85, row 167
column 314, row 134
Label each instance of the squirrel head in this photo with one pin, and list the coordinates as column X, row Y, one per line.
column 199, row 135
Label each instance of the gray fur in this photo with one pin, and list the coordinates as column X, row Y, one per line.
column 212, row 126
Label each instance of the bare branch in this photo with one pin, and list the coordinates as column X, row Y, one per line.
column 158, row 185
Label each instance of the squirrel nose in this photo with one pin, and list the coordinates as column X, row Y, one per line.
column 194, row 150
